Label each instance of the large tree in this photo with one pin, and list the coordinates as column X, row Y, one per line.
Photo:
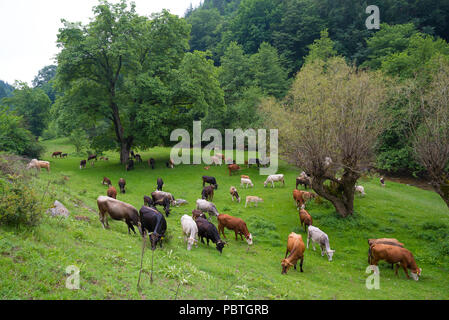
column 129, row 69
column 332, row 111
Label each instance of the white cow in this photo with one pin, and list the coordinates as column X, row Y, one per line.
column 246, row 181
column 323, row 240
column 360, row 189
column 206, row 206
column 190, row 231
column 216, row 160
column 274, row 178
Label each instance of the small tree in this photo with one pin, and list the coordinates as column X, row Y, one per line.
column 332, row 110
column 431, row 136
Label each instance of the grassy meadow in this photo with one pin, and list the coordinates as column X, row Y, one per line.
column 33, row 262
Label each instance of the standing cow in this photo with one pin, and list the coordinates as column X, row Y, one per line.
column 154, row 222
column 117, row 210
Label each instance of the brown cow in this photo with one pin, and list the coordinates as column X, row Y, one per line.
column 118, row 210
column 233, row 167
column 112, row 192
column 390, row 241
column 244, row 177
column 121, row 184
column 234, row 194
column 306, row 219
column 198, row 214
column 38, row 165
column 296, row 247
column 106, row 181
column 57, row 153
column 299, row 200
column 235, row 224
column 395, row 255
column 208, row 193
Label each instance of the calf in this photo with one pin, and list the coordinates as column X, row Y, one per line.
column 64, row 155
column 316, row 235
column 274, row 178
column 106, row 181
column 207, row 230
column 198, row 213
column 112, row 192
column 395, row 255
column 190, row 231
column 206, row 206
column 296, row 247
column 233, row 168
column 130, row 165
column 235, row 224
column 83, row 164
column 121, row 184
column 234, row 194
column 305, row 218
column 117, row 210
column 151, row 163
column 154, row 222
column 253, row 199
column 210, row 180
column 208, row 193
column 244, row 181
column 160, row 184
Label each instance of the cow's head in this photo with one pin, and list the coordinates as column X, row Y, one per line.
column 191, row 242
column 154, row 239
column 220, row 245
column 285, row 265
column 416, row 275
column 330, row 253
column 249, row 239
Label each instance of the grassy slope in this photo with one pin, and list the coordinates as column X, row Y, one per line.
column 32, row 264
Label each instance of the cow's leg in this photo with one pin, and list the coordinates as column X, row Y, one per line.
column 286, row 253
column 202, row 240
column 300, row 265
column 207, row 241
column 396, row 269
column 404, row 266
column 130, row 226
column 322, row 250
column 241, row 236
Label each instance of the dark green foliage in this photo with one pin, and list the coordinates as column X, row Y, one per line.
column 5, row 89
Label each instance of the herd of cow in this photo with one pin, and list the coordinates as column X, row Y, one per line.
column 150, row 220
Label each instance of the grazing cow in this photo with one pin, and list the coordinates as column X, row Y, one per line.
column 299, row 200
column 170, row 164
column 306, row 219
column 207, row 230
column 316, row 235
column 274, row 178
column 130, row 165
column 206, row 206
column 91, row 157
column 117, row 210
column 390, row 241
column 208, row 193
column 138, row 158
column 121, row 184
column 154, row 222
column 210, row 180
column 244, row 181
column 151, row 163
column 56, row 154
column 216, row 160
column 254, row 161
column 38, row 164
column 106, row 181
column 207, row 168
column 197, row 214
column 147, row 201
column 83, row 164
column 305, row 181
column 308, row 195
column 361, row 190
column 382, row 181
column 253, row 199
column 395, row 255
column 64, row 155
column 164, row 199
column 244, row 177
column 296, row 247
column 160, row 184
column 190, row 231
column 235, row 224
column 233, row 167
column 234, row 194
column 112, row 192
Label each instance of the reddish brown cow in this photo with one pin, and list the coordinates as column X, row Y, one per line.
column 56, row 153
column 306, row 218
column 395, row 255
column 233, row 167
column 112, row 192
column 198, row 214
column 106, row 181
column 296, row 247
column 297, row 196
column 235, row 224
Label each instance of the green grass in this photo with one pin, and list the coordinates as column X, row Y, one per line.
column 33, row 263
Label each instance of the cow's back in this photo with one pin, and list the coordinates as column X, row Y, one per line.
column 390, row 253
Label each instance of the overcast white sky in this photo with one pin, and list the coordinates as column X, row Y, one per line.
column 28, row 30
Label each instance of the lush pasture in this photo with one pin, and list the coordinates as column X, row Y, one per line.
column 33, row 263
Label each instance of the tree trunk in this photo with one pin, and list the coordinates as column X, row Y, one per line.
column 442, row 188
column 125, row 143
